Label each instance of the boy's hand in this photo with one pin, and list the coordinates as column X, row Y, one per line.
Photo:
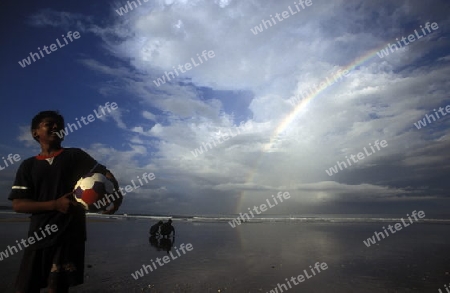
column 64, row 203
column 113, row 209
column 118, row 202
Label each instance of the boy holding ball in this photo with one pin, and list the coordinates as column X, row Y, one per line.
column 43, row 188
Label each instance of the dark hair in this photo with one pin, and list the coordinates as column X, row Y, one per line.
column 45, row 114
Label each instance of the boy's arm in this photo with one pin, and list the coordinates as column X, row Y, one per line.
column 118, row 202
column 86, row 160
column 29, row 206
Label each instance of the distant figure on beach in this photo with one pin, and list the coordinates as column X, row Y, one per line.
column 154, row 230
column 161, row 243
column 166, row 244
column 154, row 241
column 167, row 228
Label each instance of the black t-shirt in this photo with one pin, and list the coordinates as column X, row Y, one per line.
column 44, row 179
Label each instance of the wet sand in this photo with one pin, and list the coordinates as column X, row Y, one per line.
column 255, row 257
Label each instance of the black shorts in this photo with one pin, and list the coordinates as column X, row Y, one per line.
column 58, row 265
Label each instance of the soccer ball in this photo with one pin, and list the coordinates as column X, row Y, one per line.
column 91, row 189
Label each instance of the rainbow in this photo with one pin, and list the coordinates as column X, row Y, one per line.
column 284, row 124
column 291, row 116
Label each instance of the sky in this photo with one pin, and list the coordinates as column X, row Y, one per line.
column 280, row 90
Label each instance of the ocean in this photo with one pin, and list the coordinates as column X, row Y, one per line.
column 267, row 254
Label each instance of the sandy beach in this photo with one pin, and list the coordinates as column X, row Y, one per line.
column 254, row 257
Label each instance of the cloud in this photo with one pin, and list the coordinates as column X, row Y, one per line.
column 60, row 19
column 281, row 149
column 149, row 116
column 351, row 114
column 25, row 136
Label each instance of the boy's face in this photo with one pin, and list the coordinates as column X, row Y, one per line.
column 48, row 130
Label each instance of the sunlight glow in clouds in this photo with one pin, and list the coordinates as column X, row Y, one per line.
column 270, row 65
column 250, row 81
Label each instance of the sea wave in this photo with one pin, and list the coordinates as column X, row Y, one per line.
column 271, row 219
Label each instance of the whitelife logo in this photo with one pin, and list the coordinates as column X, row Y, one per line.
column 411, row 39
column 338, row 76
column 447, row 289
column 109, row 198
column 139, row 274
column 11, row 158
column 423, row 122
column 29, row 241
column 397, row 226
column 225, row 136
column 334, row 170
column 76, row 35
column 124, row 10
column 318, row 267
column 188, row 66
column 90, row 118
column 285, row 14
column 262, row 207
